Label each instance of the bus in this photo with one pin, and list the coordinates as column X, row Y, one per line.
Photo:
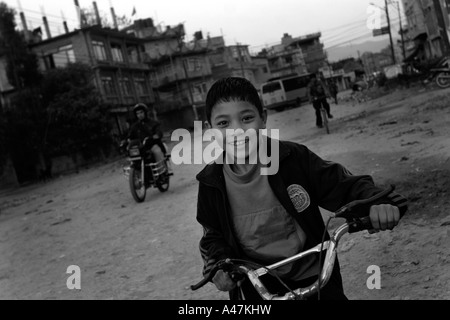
column 279, row 93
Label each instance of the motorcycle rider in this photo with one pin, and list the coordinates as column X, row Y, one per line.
column 148, row 128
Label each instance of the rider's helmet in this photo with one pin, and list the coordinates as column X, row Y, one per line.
column 140, row 106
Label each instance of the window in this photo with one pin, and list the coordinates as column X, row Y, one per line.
column 167, row 69
column 271, row 87
column 117, row 54
column 288, row 59
column 64, row 56
column 125, row 86
column 200, row 91
column 108, row 86
column 49, row 62
column 194, row 64
column 141, row 86
column 99, row 50
column 295, row 83
column 235, row 53
column 133, row 55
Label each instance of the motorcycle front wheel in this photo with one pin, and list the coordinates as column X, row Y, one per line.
column 137, row 186
column 164, row 183
column 443, row 80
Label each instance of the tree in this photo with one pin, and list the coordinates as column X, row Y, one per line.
column 59, row 113
column 78, row 120
column 22, row 64
column 19, row 127
column 91, row 19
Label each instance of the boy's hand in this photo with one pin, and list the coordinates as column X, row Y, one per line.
column 223, row 281
column 384, row 217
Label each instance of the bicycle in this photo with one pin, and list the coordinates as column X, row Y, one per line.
column 324, row 114
column 241, row 269
column 325, row 118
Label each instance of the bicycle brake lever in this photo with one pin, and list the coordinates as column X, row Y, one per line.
column 345, row 211
column 221, row 265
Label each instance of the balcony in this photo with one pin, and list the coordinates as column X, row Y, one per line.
column 166, row 79
column 196, row 74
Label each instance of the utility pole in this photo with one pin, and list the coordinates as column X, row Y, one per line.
column 401, row 30
column 238, row 45
column 188, row 80
column 390, row 32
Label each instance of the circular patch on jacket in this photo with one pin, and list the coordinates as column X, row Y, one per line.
column 299, row 197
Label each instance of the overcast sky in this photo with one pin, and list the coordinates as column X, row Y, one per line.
column 257, row 23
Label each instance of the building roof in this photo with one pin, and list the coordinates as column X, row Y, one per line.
column 96, row 28
column 301, row 39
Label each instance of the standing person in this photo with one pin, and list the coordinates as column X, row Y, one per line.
column 266, row 218
column 318, row 97
column 334, row 91
column 150, row 129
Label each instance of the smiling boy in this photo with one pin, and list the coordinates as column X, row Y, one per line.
column 266, row 218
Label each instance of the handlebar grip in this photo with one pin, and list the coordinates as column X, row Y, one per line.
column 347, row 211
column 225, row 265
column 200, row 284
column 207, row 278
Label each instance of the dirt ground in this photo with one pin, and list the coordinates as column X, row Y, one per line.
column 150, row 251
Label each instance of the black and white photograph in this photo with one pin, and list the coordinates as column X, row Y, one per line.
column 226, row 151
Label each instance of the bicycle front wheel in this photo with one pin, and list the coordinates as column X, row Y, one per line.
column 325, row 120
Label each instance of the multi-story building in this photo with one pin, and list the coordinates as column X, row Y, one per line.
column 284, row 61
column 236, row 61
column 117, row 58
column 312, row 50
column 299, row 55
column 428, row 28
column 181, row 72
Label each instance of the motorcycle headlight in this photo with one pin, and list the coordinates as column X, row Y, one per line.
column 134, row 152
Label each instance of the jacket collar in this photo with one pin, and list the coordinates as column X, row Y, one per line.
column 212, row 174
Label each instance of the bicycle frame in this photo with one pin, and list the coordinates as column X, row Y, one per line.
column 354, row 224
column 302, row 293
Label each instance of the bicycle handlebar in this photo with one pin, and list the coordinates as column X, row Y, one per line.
column 242, row 268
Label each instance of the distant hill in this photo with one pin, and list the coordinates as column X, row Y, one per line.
column 338, row 53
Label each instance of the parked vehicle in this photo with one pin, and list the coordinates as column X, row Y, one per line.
column 441, row 74
column 279, row 93
column 437, row 71
column 144, row 172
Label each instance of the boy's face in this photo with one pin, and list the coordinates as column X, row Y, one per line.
column 140, row 114
column 234, row 119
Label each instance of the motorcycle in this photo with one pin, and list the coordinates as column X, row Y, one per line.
column 441, row 74
column 144, row 172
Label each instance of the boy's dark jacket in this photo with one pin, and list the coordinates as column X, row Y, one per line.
column 329, row 185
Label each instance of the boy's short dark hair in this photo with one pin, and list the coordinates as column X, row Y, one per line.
column 232, row 89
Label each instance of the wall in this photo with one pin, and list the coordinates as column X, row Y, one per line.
column 8, row 178
column 176, row 119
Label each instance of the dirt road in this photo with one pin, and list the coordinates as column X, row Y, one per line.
column 150, row 251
